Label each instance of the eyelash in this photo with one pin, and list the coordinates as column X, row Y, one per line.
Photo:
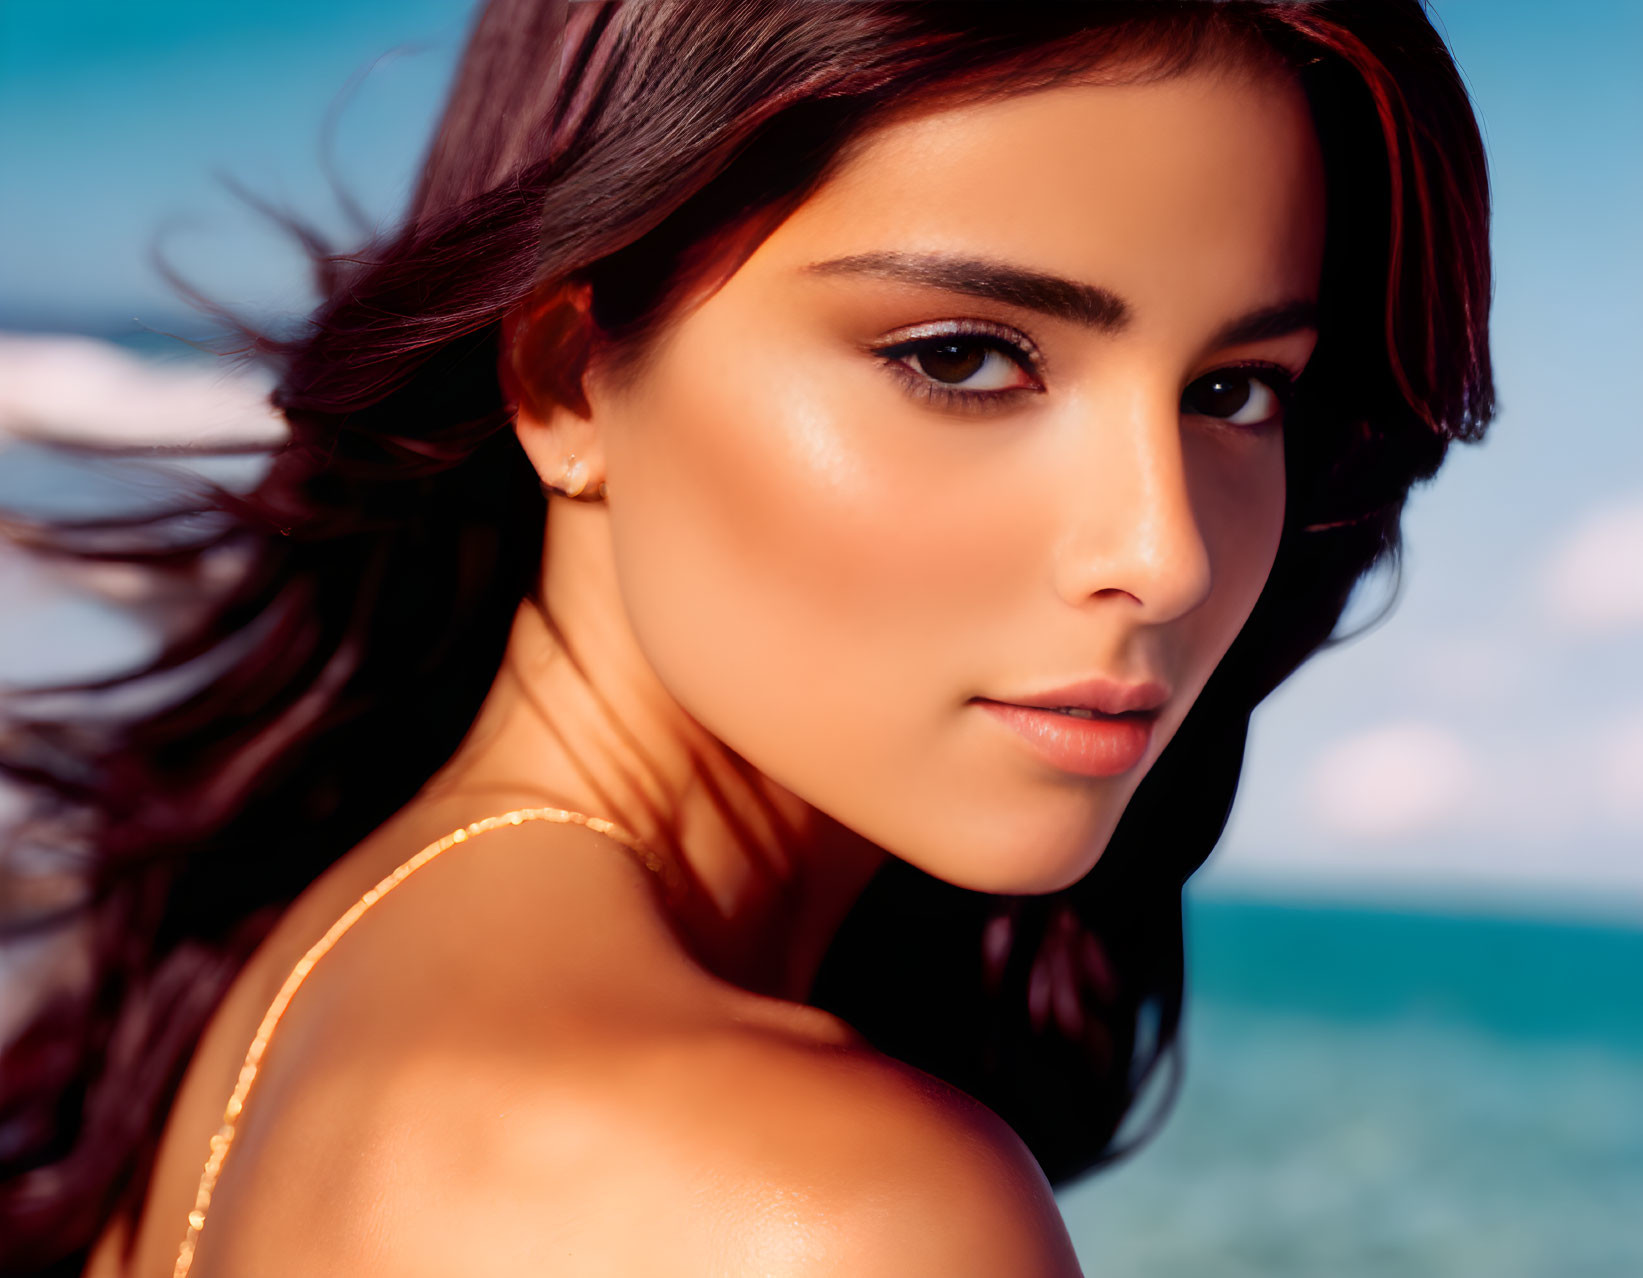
column 1275, row 377
column 1015, row 347
column 927, row 337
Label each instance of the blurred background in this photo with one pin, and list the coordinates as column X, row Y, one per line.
column 1414, row 1041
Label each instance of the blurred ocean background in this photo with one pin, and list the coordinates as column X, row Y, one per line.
column 1414, row 1039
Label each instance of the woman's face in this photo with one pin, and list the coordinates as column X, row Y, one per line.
column 996, row 413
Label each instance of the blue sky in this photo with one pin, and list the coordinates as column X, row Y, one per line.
column 1509, row 670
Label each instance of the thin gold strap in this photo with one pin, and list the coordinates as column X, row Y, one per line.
column 224, row 1138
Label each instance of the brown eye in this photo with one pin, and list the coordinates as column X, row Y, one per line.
column 1239, row 396
column 952, row 361
column 962, row 365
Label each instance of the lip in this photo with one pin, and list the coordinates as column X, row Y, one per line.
column 1111, row 743
column 1106, row 745
column 1104, row 696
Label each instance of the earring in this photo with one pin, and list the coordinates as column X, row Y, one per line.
column 573, row 481
column 575, row 477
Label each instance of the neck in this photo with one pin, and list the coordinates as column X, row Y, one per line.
column 577, row 716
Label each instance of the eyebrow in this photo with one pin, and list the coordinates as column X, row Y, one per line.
column 1087, row 304
column 1269, row 322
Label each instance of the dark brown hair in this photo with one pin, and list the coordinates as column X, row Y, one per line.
column 380, row 559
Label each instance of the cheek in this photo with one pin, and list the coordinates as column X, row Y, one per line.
column 1238, row 494
column 818, row 574
column 786, row 561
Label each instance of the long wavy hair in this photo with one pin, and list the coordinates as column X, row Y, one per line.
column 380, row 558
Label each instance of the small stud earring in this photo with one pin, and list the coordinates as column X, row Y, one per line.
column 575, row 477
column 573, row 482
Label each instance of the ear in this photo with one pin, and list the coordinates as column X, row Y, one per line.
column 546, row 342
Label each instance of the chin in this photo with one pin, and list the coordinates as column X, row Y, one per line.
column 1055, row 878
column 1026, row 864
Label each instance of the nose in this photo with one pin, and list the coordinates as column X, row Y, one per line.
column 1131, row 527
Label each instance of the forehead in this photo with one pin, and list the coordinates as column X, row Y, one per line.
column 1208, row 183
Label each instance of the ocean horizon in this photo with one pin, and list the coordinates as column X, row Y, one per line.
column 1373, row 1092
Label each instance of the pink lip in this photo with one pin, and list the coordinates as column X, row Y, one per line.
column 1108, row 745
column 1105, row 746
column 1104, row 696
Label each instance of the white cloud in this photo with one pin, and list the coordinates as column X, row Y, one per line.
column 1593, row 582
column 1393, row 780
column 1619, row 771
column 80, row 388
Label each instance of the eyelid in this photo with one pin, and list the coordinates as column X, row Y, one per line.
column 1283, row 370
column 1012, row 337
column 893, row 350
column 1282, row 380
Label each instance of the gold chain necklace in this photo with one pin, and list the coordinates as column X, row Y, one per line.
column 224, row 1138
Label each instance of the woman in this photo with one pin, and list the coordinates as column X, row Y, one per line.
column 954, row 419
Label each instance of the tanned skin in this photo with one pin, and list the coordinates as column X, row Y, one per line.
column 818, row 549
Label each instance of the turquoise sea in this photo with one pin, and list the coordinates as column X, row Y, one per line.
column 1373, row 1093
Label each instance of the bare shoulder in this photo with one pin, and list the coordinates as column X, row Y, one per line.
column 575, row 1099
column 729, row 1150
column 840, row 1160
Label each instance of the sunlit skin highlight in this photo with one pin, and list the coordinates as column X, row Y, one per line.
column 763, row 654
